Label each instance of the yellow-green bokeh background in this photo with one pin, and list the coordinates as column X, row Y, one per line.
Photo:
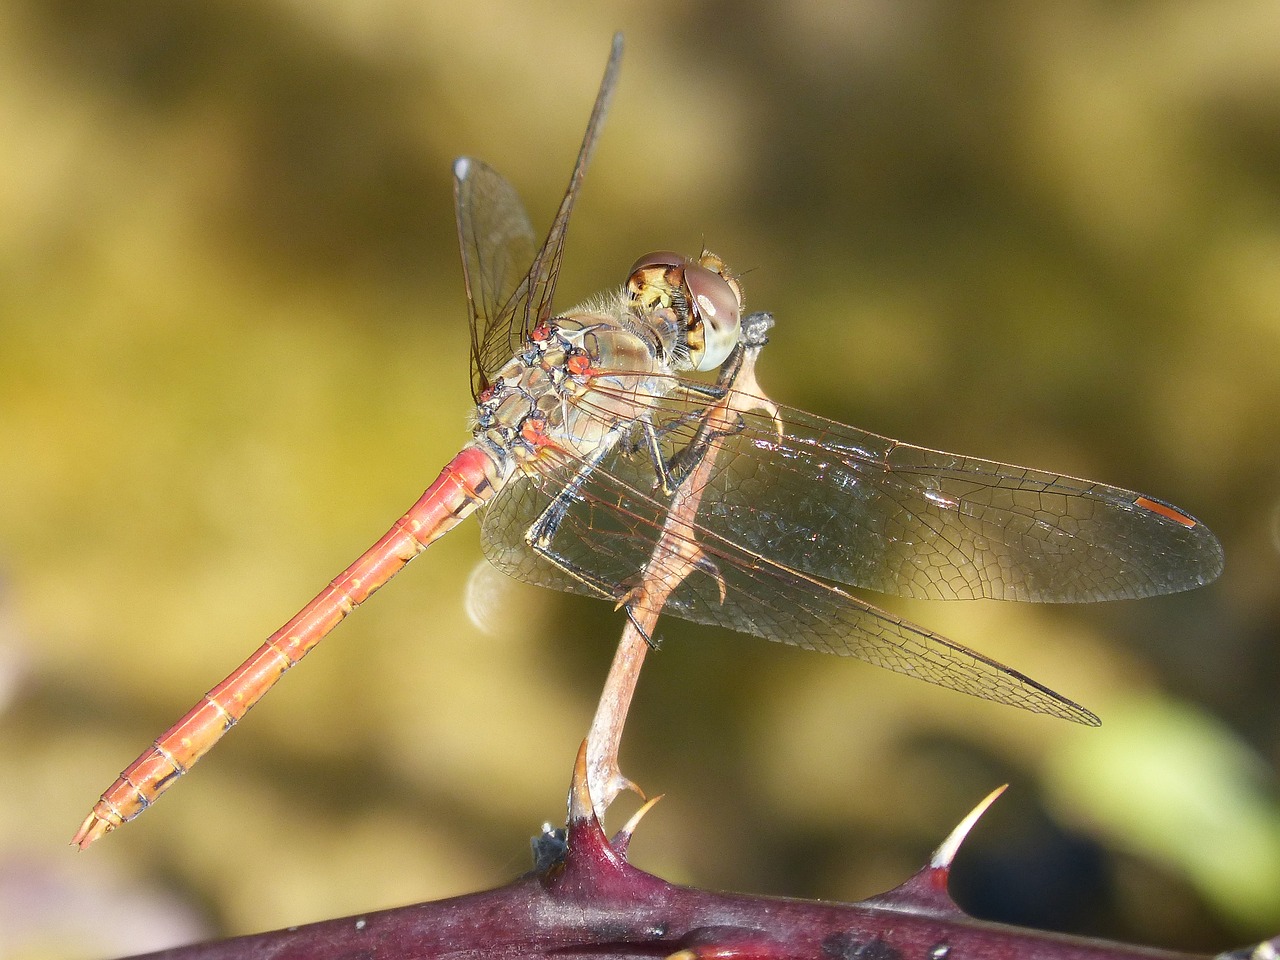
column 232, row 349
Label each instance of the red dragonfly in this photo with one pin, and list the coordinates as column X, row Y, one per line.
column 587, row 423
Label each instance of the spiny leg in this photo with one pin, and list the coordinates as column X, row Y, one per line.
column 672, row 471
column 543, row 530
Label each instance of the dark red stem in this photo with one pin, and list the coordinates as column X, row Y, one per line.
column 588, row 902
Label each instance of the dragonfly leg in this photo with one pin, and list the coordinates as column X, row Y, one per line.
column 684, row 461
column 651, row 640
column 707, row 391
column 651, row 433
column 543, row 530
column 674, row 470
column 539, row 539
column 623, row 596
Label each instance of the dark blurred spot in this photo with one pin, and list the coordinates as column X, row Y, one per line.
column 311, row 159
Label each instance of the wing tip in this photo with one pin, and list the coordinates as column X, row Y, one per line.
column 1210, row 556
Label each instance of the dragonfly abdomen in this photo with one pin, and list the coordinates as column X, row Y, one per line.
column 470, row 479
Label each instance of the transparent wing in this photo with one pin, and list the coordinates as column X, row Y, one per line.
column 610, row 529
column 497, row 245
column 847, row 505
column 509, row 285
column 820, row 499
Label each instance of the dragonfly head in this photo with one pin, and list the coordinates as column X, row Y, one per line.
column 704, row 296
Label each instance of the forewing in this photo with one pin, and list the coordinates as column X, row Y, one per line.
column 847, row 505
column 522, row 300
column 865, row 510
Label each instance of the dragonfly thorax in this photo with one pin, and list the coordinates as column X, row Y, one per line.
column 577, row 378
column 581, row 375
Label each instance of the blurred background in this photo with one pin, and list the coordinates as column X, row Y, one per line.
column 233, row 350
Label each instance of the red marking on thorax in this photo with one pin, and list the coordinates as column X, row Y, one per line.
column 1166, row 511
column 534, row 431
column 579, row 365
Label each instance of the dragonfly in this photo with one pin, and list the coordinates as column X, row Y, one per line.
column 590, row 422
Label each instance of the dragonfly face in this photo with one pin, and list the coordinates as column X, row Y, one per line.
column 704, row 298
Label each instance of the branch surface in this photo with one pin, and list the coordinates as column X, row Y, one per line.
column 586, row 901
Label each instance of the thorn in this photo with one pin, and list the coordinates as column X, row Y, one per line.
column 620, row 783
column 926, row 891
column 946, row 852
column 580, row 805
column 629, row 827
column 627, row 599
column 621, row 841
column 590, row 857
column 711, row 569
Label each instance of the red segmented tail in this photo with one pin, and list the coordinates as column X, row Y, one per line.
column 469, row 480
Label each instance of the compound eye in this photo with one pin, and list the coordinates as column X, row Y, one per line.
column 714, row 323
column 662, row 259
